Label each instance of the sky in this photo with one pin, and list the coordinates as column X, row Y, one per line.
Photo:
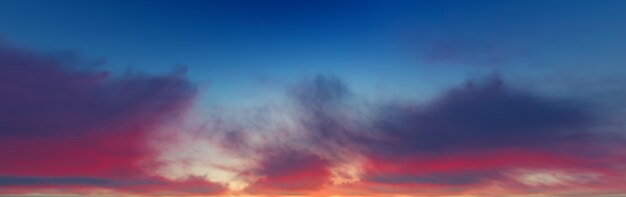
column 339, row 98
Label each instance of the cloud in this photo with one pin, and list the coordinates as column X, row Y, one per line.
column 327, row 116
column 143, row 186
column 481, row 116
column 471, row 136
column 64, row 123
column 289, row 171
column 432, row 178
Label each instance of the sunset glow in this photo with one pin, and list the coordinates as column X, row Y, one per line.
column 344, row 98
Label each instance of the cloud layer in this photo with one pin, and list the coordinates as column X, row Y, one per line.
column 68, row 128
column 64, row 125
column 482, row 134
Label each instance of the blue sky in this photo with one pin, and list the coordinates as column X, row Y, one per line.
column 378, row 45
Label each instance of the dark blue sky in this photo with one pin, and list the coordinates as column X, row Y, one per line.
column 378, row 45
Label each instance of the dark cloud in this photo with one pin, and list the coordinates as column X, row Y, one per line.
column 44, row 97
column 28, row 181
column 469, row 135
column 482, row 115
column 147, row 185
column 473, row 134
column 449, row 179
column 290, row 171
column 64, row 123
